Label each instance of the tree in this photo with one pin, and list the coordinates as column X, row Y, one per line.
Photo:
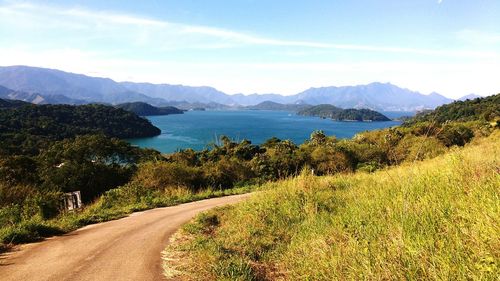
column 91, row 164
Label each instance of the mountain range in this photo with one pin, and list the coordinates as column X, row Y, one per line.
column 42, row 85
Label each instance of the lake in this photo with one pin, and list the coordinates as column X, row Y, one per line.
column 198, row 129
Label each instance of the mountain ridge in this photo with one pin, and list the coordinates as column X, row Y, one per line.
column 53, row 82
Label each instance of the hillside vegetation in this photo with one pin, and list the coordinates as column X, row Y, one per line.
column 28, row 128
column 484, row 109
column 432, row 220
column 144, row 109
column 339, row 114
column 5, row 103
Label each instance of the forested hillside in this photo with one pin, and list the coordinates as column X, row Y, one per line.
column 27, row 128
column 5, row 104
column 479, row 109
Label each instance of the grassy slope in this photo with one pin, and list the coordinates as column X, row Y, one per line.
column 437, row 219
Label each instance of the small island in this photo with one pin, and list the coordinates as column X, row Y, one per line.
column 339, row 114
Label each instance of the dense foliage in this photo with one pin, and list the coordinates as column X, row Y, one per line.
column 482, row 109
column 5, row 103
column 26, row 129
column 336, row 113
column 145, row 109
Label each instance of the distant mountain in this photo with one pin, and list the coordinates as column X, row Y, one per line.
column 254, row 99
column 270, row 105
column 51, row 82
column 144, row 109
column 36, row 98
column 339, row 114
column 183, row 105
column 4, row 92
column 469, row 97
column 180, row 93
column 56, row 83
column 376, row 96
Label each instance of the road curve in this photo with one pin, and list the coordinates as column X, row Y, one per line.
column 125, row 249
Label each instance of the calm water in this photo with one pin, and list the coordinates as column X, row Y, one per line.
column 197, row 129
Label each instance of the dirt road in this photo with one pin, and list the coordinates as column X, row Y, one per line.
column 124, row 249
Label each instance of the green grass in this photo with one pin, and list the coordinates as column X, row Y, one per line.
column 432, row 220
column 22, row 224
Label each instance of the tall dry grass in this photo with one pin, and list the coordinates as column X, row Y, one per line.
column 433, row 220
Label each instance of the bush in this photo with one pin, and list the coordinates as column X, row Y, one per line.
column 455, row 134
column 15, row 194
column 329, row 160
column 412, row 148
column 28, row 231
column 226, row 172
column 162, row 175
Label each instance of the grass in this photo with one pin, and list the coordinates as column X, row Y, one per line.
column 433, row 220
column 22, row 224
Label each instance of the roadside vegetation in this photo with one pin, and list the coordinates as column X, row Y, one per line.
column 437, row 219
column 38, row 164
column 30, row 221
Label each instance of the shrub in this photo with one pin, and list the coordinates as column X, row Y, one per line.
column 226, row 172
column 412, row 148
column 455, row 134
column 161, row 175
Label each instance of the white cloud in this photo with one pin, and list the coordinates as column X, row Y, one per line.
column 170, row 35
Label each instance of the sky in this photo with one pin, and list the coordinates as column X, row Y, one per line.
column 261, row 46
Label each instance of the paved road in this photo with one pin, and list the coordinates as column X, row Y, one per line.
column 124, row 249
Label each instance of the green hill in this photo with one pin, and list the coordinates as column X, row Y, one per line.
column 430, row 220
column 145, row 109
column 30, row 127
column 5, row 104
column 336, row 113
column 479, row 109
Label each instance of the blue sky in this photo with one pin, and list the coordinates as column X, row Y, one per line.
column 259, row 46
